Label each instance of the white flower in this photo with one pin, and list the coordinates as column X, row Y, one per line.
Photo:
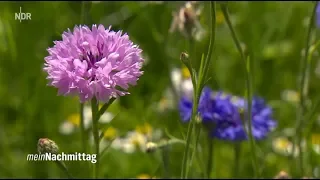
column 128, row 148
column 137, row 139
column 181, row 81
column 73, row 121
column 117, row 143
column 182, row 85
column 66, row 128
column 132, row 142
column 176, row 77
column 106, row 117
column 187, row 87
column 87, row 117
column 283, row 146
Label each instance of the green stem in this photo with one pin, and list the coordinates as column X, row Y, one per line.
column 309, row 120
column 197, row 85
column 196, row 141
column 309, row 117
column 303, row 95
column 191, row 124
column 212, row 39
column 83, row 133
column 95, row 130
column 237, row 152
column 210, row 157
column 246, row 63
column 82, row 130
column 186, row 151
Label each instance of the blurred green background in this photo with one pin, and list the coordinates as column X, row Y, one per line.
column 273, row 34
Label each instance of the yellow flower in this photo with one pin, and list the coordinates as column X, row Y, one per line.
column 283, row 146
column 185, row 72
column 74, row 119
column 137, row 140
column 110, row 133
column 282, row 143
column 145, row 176
column 219, row 17
column 145, row 129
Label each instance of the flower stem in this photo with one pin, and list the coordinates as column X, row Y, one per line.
column 82, row 130
column 210, row 157
column 186, row 151
column 195, row 146
column 247, row 65
column 198, row 83
column 237, row 152
column 184, row 171
column 95, row 130
column 303, row 91
column 83, row 133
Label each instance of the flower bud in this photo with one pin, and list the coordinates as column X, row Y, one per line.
column 46, row 145
column 198, row 119
column 184, row 57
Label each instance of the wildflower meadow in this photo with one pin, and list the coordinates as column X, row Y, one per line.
column 160, row 89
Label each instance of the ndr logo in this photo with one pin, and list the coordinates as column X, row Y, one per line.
column 22, row 16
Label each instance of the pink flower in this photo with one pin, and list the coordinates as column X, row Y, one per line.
column 97, row 63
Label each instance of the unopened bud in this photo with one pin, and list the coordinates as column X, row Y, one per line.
column 282, row 175
column 184, row 57
column 151, row 147
column 46, row 145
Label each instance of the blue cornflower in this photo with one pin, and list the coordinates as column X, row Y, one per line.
column 318, row 15
column 226, row 112
column 212, row 107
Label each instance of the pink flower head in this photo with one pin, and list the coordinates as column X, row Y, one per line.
column 97, row 63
